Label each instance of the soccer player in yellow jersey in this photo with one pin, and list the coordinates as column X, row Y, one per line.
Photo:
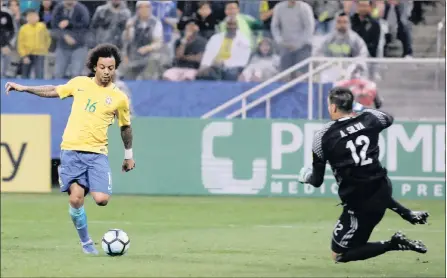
column 84, row 163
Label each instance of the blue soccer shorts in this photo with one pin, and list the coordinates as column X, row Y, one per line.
column 90, row 170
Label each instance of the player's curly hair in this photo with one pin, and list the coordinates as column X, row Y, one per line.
column 105, row 50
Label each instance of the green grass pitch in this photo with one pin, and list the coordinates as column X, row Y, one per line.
column 205, row 236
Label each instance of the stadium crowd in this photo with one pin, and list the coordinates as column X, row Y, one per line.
column 186, row 40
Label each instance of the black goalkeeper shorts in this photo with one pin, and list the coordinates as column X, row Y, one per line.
column 356, row 223
column 353, row 229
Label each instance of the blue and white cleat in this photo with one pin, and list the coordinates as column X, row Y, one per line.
column 89, row 248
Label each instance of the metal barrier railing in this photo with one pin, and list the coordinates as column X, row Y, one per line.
column 310, row 76
column 243, row 97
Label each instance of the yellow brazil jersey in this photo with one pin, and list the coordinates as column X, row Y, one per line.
column 225, row 50
column 93, row 111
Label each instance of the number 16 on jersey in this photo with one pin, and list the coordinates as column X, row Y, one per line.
column 90, row 107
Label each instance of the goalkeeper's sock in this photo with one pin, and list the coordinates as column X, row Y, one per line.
column 369, row 250
column 79, row 219
column 398, row 208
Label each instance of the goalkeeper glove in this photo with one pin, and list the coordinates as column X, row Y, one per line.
column 305, row 174
column 357, row 107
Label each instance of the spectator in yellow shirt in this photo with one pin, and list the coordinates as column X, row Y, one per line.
column 32, row 44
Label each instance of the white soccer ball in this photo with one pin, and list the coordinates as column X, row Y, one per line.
column 115, row 242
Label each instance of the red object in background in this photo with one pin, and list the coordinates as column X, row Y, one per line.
column 364, row 90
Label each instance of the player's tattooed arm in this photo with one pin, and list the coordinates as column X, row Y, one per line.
column 126, row 135
column 46, row 91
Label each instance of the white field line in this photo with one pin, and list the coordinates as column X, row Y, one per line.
column 397, row 178
column 279, row 226
column 326, row 227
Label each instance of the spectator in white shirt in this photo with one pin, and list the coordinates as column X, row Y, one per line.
column 226, row 54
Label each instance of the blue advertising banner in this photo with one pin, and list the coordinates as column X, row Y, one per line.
column 167, row 99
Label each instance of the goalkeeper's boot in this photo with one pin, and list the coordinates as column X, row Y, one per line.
column 416, row 217
column 89, row 248
column 400, row 242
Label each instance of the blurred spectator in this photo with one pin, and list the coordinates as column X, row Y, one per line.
column 70, row 24
column 165, row 11
column 14, row 9
column 250, row 8
column 325, row 12
column 13, row 61
column 125, row 89
column 185, row 11
column 370, row 31
column 367, row 27
column 188, row 54
column 266, row 12
column 377, row 12
column 364, row 91
column 26, row 5
column 109, row 21
column 343, row 42
column 32, row 44
column 377, row 7
column 349, row 7
column 91, row 6
column 186, row 8
column 205, row 19
column 142, row 38
column 46, row 12
column 7, row 33
column 218, row 7
column 246, row 23
column 397, row 15
column 46, row 16
column 417, row 13
column 292, row 28
column 263, row 64
column 226, row 54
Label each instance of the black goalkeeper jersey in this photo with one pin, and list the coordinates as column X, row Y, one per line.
column 351, row 146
